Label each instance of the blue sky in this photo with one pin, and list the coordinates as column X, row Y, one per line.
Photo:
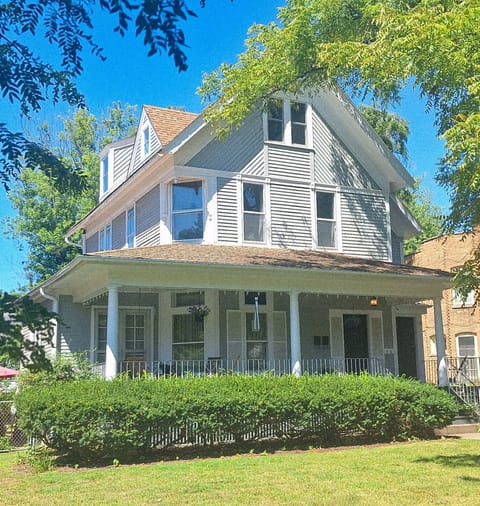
column 216, row 36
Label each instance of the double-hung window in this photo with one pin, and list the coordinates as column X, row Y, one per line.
column 326, row 222
column 463, row 300
column 131, row 227
column 275, row 119
column 287, row 121
column 105, row 238
column 253, row 212
column 187, row 329
column 468, row 358
column 187, row 211
column 298, row 123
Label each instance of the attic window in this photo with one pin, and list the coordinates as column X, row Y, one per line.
column 286, row 122
column 146, row 141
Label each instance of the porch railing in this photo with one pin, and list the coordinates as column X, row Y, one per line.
column 277, row 367
column 461, row 370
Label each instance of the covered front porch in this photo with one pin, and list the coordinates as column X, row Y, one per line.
column 198, row 309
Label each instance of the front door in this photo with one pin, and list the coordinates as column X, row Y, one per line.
column 407, row 359
column 355, row 338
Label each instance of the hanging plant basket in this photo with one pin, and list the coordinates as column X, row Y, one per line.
column 199, row 311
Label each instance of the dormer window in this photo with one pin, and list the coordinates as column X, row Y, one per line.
column 146, row 141
column 105, row 174
column 187, row 211
column 286, row 121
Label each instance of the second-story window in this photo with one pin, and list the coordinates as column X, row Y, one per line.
column 253, row 212
column 131, row 227
column 105, row 174
column 298, row 123
column 146, row 141
column 326, row 223
column 101, row 240
column 105, row 238
column 187, row 211
column 275, row 120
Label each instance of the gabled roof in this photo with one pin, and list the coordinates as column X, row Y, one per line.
column 168, row 123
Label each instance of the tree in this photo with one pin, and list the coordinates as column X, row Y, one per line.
column 44, row 214
column 16, row 315
column 373, row 47
column 67, row 25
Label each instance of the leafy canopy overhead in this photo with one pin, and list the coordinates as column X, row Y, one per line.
column 28, row 80
column 373, row 47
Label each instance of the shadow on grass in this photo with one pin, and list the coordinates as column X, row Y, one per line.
column 210, row 452
column 464, row 460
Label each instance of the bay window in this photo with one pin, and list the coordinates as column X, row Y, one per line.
column 253, row 212
column 187, row 211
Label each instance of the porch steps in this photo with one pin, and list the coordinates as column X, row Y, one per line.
column 461, row 430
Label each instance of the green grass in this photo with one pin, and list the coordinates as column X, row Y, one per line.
column 427, row 472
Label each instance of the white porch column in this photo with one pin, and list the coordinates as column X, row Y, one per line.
column 440, row 343
column 111, row 360
column 419, row 350
column 295, row 349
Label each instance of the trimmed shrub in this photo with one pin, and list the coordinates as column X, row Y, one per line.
column 107, row 418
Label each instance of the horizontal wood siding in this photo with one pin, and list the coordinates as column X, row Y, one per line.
column 287, row 162
column 290, row 216
column 333, row 164
column 121, row 161
column 74, row 328
column 118, row 231
column 364, row 225
column 147, row 218
column 227, row 215
column 92, row 243
column 240, row 152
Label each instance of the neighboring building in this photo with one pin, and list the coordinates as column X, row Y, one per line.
column 288, row 231
column 461, row 317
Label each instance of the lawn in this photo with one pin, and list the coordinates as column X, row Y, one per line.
column 426, row 472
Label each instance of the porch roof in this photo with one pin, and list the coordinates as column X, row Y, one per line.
column 194, row 266
column 272, row 257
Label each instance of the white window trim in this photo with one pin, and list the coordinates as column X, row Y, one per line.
column 458, row 302
column 110, row 159
column 103, row 231
column 337, row 217
column 466, row 334
column 130, row 208
column 266, row 212
column 144, row 153
column 171, row 212
column 287, row 123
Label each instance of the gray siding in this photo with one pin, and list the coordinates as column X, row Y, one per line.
column 75, row 327
column 289, row 162
column 121, row 161
column 227, row 214
column 92, row 243
column 147, row 218
column 333, row 164
column 118, row 231
column 240, row 152
column 364, row 225
column 291, row 216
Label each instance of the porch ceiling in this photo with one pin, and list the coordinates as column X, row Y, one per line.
column 243, row 268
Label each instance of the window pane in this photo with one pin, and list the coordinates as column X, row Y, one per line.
column 183, row 299
column 466, row 346
column 326, row 233
column 275, row 130
column 257, row 351
column 105, row 174
column 146, row 141
column 253, row 227
column 130, row 227
column 325, row 205
column 298, row 112
column 275, row 119
column 187, row 329
column 275, row 109
column 187, row 196
column 253, row 197
column 187, row 226
column 256, row 335
column 188, row 351
column 298, row 134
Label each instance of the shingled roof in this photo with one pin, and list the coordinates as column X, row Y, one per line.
column 272, row 257
column 168, row 123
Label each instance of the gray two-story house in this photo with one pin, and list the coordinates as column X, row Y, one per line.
column 278, row 248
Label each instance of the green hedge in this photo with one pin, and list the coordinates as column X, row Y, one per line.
column 107, row 418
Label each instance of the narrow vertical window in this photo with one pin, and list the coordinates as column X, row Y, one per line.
column 298, row 123
column 108, row 237
column 326, row 226
column 275, row 120
column 146, row 141
column 101, row 240
column 105, row 174
column 131, row 227
column 187, row 211
column 253, row 212
column 101, row 338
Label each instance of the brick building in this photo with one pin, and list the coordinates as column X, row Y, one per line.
column 461, row 318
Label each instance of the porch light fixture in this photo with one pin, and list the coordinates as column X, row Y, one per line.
column 256, row 317
column 374, row 301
